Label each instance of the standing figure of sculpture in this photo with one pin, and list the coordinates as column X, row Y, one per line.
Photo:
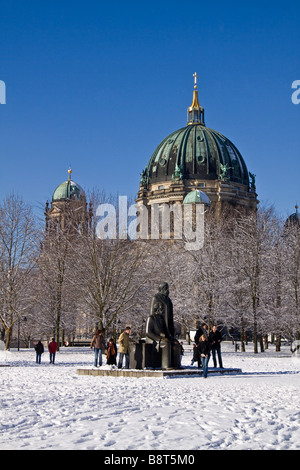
column 160, row 331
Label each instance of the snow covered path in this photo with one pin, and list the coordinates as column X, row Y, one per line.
column 51, row 407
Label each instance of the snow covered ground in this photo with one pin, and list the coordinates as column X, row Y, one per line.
column 51, row 407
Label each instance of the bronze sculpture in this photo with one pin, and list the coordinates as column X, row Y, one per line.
column 160, row 331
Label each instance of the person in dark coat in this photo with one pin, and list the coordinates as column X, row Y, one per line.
column 201, row 331
column 111, row 355
column 196, row 356
column 39, row 349
column 215, row 339
column 204, row 349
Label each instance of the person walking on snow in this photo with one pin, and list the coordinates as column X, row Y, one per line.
column 52, row 350
column 39, row 349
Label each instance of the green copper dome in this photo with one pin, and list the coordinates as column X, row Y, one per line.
column 196, row 152
column 68, row 190
column 196, row 197
column 293, row 220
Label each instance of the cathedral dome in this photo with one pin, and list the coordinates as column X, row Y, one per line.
column 201, row 156
column 68, row 190
column 196, row 151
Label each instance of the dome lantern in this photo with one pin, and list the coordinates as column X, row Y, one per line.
column 195, row 113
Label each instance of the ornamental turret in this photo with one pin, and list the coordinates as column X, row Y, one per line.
column 195, row 114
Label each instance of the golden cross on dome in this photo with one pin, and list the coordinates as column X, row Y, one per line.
column 195, row 79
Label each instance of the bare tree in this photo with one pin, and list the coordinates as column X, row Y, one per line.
column 291, row 281
column 17, row 259
column 109, row 275
column 55, row 293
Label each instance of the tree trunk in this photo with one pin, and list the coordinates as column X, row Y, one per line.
column 278, row 342
column 243, row 349
column 261, row 343
column 255, row 348
column 8, row 337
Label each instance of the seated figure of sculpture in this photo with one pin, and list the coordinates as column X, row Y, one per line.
column 160, row 327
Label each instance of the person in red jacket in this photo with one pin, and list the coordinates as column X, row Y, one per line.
column 52, row 350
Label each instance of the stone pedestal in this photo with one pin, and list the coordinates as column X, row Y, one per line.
column 176, row 373
column 146, row 355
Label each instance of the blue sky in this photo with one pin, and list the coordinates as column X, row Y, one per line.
column 97, row 85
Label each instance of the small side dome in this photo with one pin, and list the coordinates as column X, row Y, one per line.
column 69, row 190
column 196, row 197
column 293, row 219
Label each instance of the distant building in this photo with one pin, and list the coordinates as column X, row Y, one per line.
column 68, row 209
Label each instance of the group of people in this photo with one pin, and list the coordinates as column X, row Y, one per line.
column 206, row 343
column 98, row 343
column 52, row 348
